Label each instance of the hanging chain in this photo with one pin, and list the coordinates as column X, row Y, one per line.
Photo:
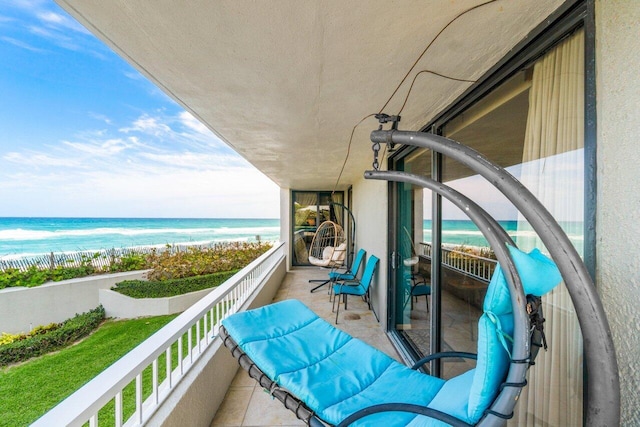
column 383, row 118
column 376, row 150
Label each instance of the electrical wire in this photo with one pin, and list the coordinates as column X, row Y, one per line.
column 442, row 30
column 455, row 18
column 348, row 152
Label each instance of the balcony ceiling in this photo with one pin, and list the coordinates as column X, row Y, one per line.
column 284, row 82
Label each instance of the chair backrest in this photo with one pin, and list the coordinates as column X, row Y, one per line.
column 328, row 234
column 357, row 262
column 339, row 254
column 539, row 275
column 369, row 269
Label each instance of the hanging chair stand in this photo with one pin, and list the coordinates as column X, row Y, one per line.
column 603, row 393
column 501, row 408
column 603, row 384
column 350, row 242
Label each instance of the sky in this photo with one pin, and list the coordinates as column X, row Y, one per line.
column 83, row 134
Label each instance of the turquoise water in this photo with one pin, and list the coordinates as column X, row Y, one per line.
column 24, row 237
column 463, row 232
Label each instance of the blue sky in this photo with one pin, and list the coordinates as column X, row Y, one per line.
column 82, row 133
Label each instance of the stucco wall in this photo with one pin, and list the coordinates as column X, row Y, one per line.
column 285, row 222
column 121, row 306
column 24, row 308
column 618, row 217
column 370, row 209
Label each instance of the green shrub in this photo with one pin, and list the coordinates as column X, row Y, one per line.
column 49, row 339
column 33, row 276
column 170, row 287
column 7, row 338
column 129, row 262
column 199, row 261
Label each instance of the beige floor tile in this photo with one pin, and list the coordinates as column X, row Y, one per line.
column 242, row 379
column 234, row 407
column 264, row 410
column 258, row 408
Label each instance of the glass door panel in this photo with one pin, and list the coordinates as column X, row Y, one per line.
column 310, row 209
column 412, row 263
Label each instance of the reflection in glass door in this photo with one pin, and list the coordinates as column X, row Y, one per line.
column 310, row 209
column 411, row 261
column 532, row 124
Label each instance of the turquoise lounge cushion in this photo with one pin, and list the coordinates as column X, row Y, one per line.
column 492, row 363
column 451, row 398
column 332, row 372
column 538, row 274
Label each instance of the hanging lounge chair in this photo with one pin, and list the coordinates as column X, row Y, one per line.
column 328, row 249
column 339, row 380
column 327, row 377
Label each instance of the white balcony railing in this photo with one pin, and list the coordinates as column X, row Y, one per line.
column 469, row 264
column 188, row 335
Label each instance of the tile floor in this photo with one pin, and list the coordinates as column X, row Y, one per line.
column 246, row 404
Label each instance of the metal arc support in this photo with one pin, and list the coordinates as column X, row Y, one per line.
column 602, row 407
column 498, row 239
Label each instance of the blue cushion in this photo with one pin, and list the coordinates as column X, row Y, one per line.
column 492, row 364
column 332, row 372
column 538, row 274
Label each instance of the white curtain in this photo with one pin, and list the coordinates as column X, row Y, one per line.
column 553, row 169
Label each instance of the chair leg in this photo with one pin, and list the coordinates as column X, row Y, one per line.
column 324, row 282
column 338, row 310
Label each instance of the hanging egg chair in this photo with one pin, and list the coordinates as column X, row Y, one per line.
column 328, row 247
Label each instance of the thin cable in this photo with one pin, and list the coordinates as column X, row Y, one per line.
column 348, row 152
column 455, row 18
column 384, row 153
column 434, row 73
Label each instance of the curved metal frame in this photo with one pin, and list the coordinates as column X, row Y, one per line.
column 603, row 384
column 498, row 239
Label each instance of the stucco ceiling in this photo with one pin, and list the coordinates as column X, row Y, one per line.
column 284, row 82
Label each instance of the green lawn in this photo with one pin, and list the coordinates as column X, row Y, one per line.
column 29, row 390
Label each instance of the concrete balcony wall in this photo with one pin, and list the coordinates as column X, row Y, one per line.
column 124, row 307
column 197, row 397
column 22, row 309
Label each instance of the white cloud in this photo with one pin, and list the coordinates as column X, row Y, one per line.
column 21, row 44
column 4, row 19
column 101, row 117
column 148, row 125
column 60, row 21
column 40, row 160
column 192, row 123
column 107, row 148
column 152, row 167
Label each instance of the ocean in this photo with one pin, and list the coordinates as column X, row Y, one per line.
column 30, row 237
column 464, row 232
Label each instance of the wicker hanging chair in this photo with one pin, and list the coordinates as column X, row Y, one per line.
column 328, row 247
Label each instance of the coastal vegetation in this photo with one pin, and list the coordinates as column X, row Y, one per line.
column 65, row 356
column 170, row 262
column 16, row 348
column 170, row 287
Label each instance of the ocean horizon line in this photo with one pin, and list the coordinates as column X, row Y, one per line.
column 134, row 217
column 26, row 236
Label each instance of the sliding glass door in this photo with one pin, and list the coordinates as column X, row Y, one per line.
column 532, row 124
column 310, row 209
